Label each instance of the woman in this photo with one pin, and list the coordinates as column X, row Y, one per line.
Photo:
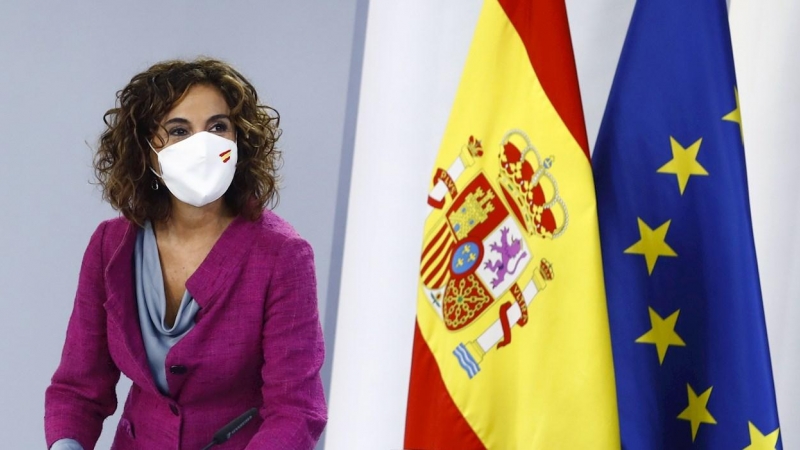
column 201, row 296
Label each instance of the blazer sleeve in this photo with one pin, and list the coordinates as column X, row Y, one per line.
column 294, row 409
column 82, row 391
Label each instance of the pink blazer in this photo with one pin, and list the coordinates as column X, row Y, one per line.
column 257, row 342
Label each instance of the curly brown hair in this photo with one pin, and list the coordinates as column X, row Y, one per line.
column 122, row 160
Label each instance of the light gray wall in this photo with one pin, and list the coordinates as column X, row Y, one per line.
column 60, row 66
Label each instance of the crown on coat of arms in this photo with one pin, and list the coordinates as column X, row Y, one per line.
column 546, row 270
column 530, row 188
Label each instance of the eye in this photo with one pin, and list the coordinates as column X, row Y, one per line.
column 178, row 132
column 219, row 127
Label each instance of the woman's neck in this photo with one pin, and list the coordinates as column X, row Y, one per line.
column 187, row 222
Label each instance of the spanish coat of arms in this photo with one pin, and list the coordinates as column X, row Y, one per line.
column 476, row 259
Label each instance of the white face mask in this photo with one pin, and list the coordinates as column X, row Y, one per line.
column 198, row 169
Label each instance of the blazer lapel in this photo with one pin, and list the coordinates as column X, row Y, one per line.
column 222, row 264
column 121, row 305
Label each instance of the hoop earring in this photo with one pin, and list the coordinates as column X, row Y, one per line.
column 154, row 185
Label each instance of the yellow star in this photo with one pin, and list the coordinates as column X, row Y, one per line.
column 662, row 333
column 736, row 114
column 651, row 244
column 696, row 412
column 684, row 162
column 760, row 442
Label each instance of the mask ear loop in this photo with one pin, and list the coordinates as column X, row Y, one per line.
column 159, row 164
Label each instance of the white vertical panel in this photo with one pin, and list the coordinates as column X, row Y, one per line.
column 598, row 29
column 766, row 39
column 413, row 57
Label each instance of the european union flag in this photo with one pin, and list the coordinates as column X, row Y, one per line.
column 690, row 345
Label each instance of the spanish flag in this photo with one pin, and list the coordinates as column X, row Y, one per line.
column 512, row 347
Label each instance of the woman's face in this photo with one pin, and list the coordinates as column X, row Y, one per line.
column 203, row 108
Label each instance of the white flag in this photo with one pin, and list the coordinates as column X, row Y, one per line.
column 765, row 41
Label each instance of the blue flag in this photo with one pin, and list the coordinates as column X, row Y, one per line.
column 690, row 346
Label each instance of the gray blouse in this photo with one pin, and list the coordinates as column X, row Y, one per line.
column 151, row 301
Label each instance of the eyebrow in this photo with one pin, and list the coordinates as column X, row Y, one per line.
column 218, row 117
column 176, row 120
column 210, row 119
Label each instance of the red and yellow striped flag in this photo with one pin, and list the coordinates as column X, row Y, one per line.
column 512, row 346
